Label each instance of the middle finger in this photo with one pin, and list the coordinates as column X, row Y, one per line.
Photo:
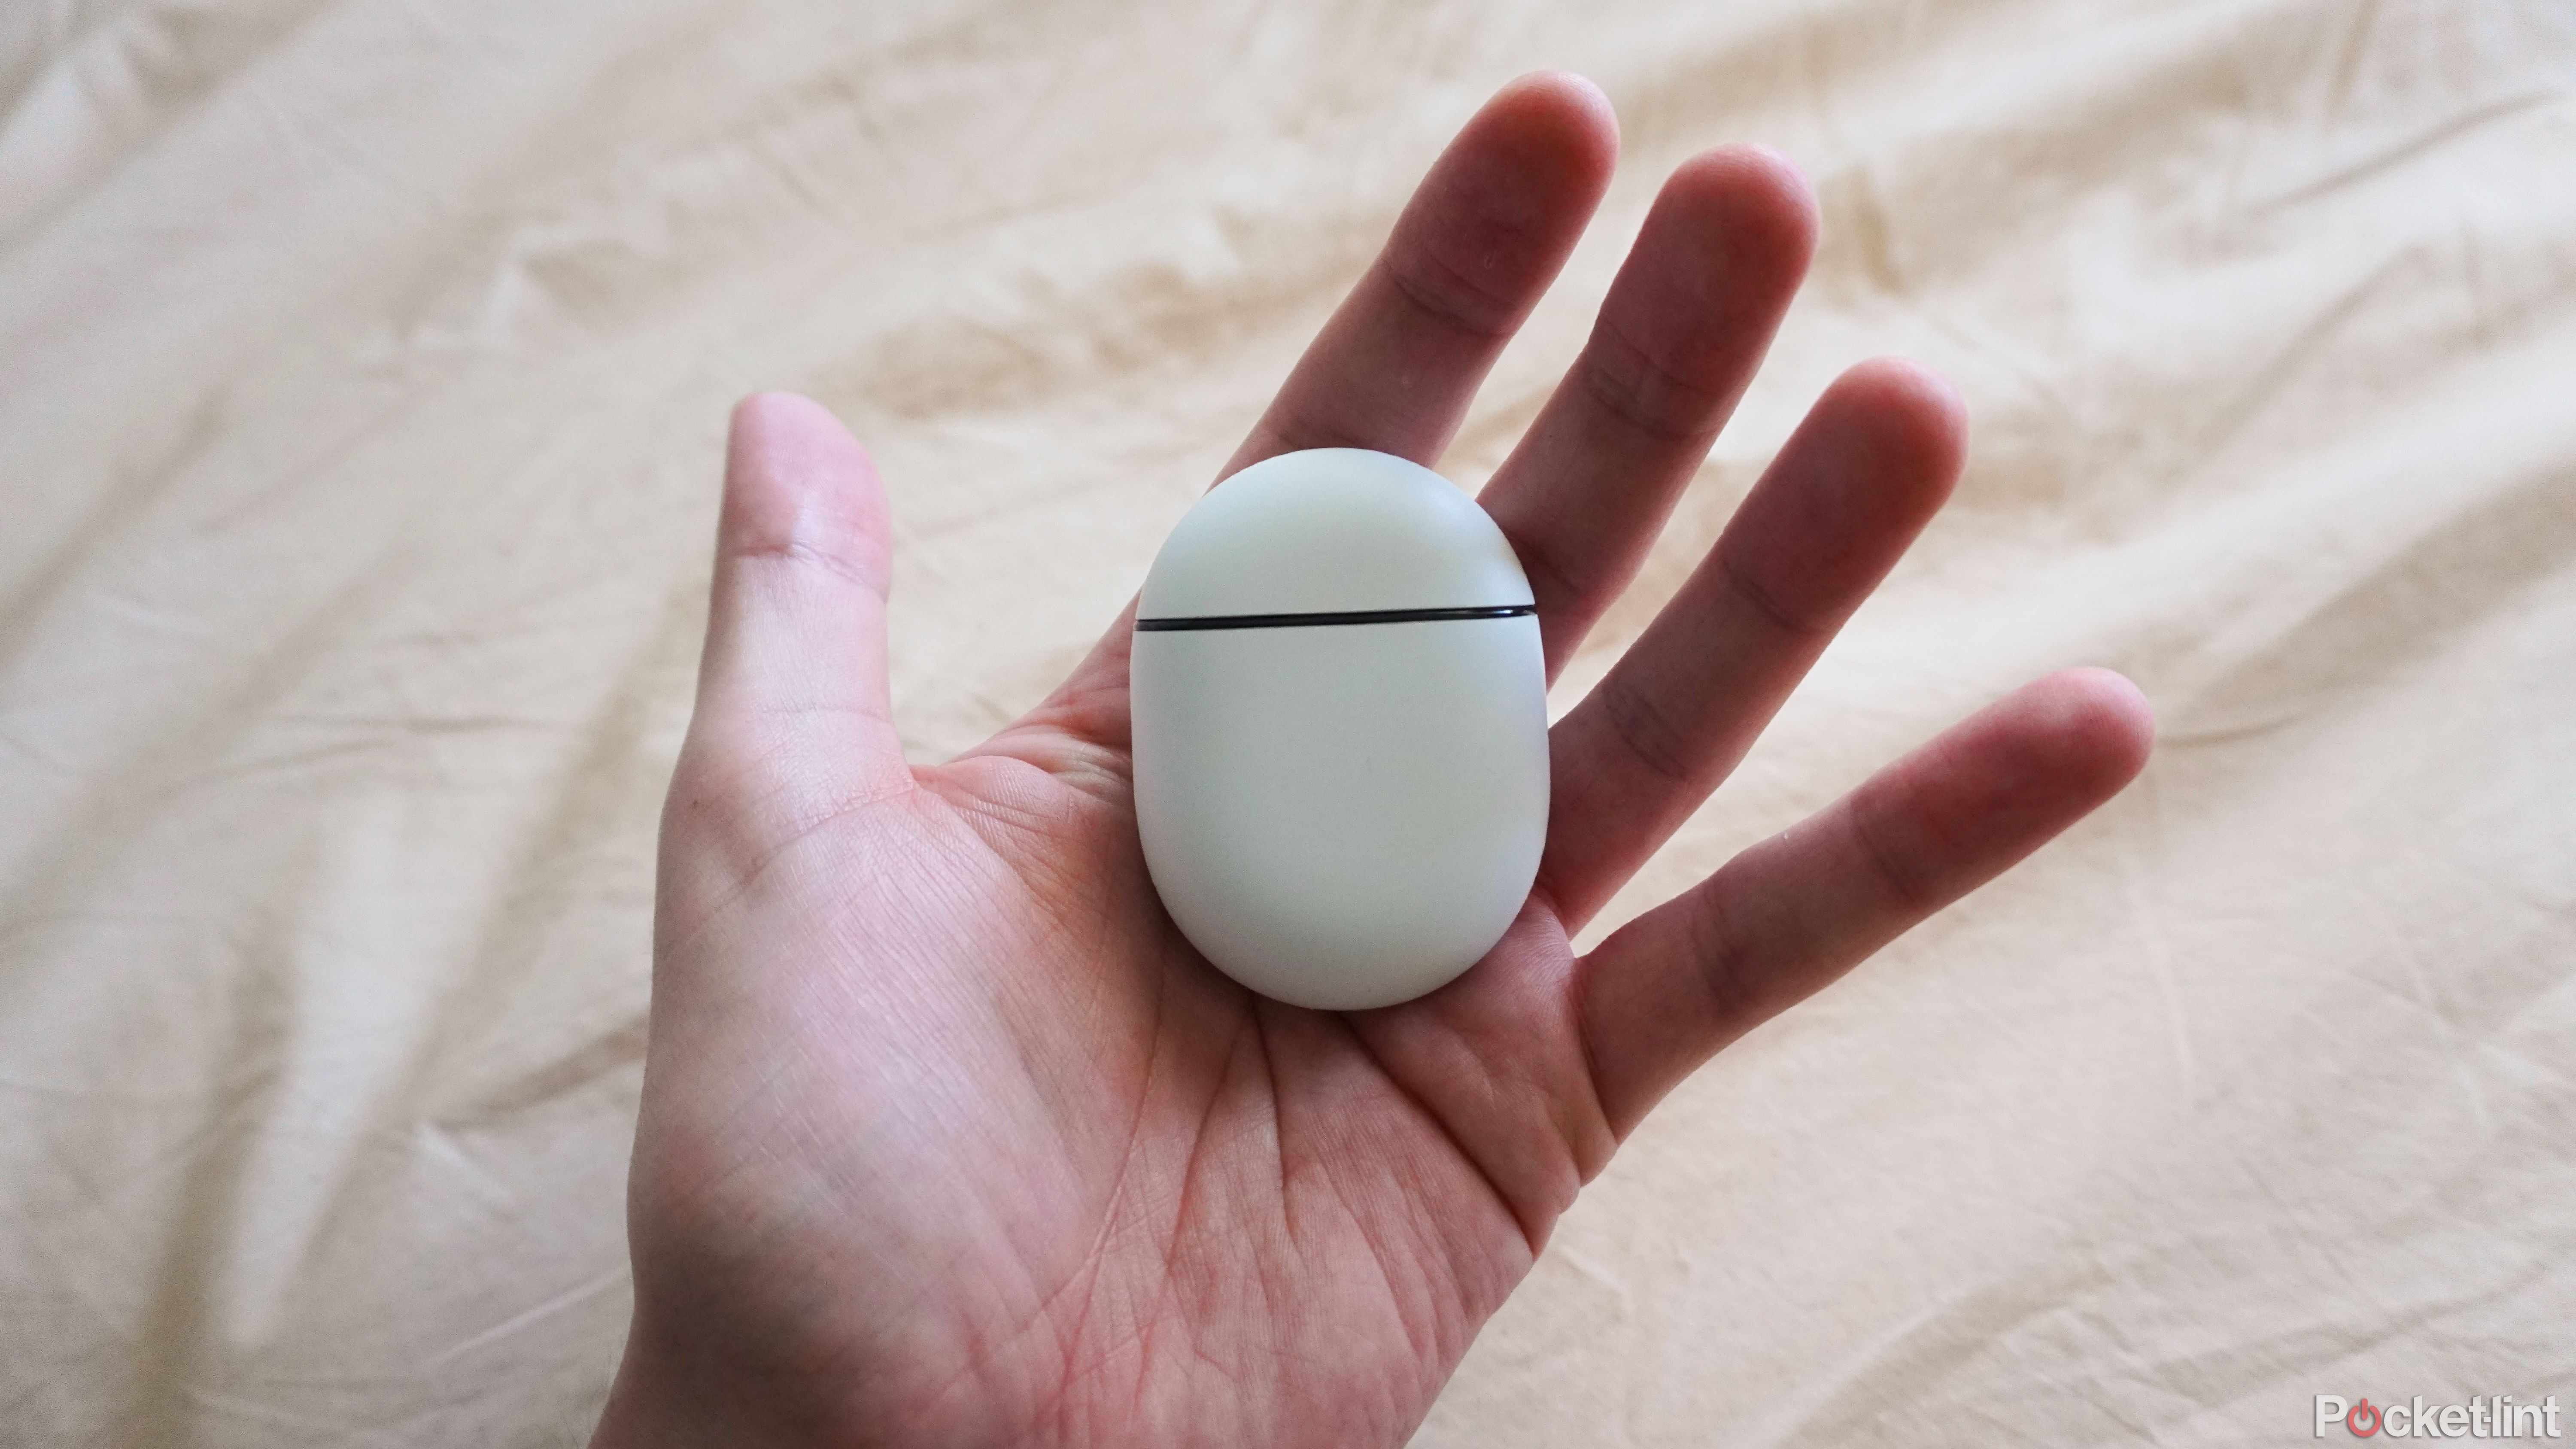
column 1681, row 332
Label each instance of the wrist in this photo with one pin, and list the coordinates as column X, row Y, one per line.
column 657, row 1402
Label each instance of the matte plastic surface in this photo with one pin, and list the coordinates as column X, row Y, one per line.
column 1331, row 529
column 1348, row 815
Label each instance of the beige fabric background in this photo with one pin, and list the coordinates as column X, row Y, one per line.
column 362, row 371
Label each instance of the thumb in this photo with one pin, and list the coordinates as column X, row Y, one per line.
column 794, row 673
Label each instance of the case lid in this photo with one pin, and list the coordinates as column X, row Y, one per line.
column 1332, row 530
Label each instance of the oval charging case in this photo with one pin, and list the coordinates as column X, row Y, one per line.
column 1340, row 729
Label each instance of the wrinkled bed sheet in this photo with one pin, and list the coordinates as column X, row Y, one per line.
column 363, row 366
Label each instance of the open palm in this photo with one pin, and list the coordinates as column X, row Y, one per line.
column 949, row 1137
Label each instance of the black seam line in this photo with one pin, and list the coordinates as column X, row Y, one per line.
column 1355, row 616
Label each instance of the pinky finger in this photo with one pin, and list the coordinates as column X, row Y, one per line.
column 1789, row 915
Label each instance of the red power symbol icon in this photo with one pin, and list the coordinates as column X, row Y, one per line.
column 2352, row 1420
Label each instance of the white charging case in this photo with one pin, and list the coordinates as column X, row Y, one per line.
column 1340, row 729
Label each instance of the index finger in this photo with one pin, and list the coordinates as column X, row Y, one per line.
column 1486, row 231
column 1394, row 369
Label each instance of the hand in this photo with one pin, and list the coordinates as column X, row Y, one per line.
column 948, row 1136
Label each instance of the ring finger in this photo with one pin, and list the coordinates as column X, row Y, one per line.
column 1864, row 472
